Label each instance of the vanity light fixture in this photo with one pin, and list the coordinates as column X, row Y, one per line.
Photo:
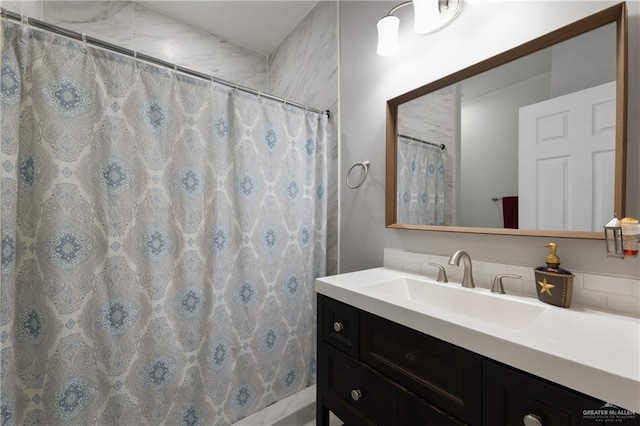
column 429, row 16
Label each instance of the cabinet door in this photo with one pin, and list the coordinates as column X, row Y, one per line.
column 360, row 396
column 444, row 375
column 510, row 395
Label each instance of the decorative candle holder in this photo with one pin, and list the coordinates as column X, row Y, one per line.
column 613, row 239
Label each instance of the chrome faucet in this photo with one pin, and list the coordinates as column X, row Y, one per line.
column 467, row 278
column 497, row 286
column 442, row 273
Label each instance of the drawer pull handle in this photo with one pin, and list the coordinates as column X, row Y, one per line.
column 532, row 420
column 356, row 394
column 338, row 326
column 409, row 357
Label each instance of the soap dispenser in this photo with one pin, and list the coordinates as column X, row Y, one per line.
column 554, row 284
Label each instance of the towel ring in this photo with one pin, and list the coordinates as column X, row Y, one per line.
column 365, row 166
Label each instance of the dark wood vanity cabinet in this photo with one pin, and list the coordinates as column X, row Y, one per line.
column 372, row 371
column 442, row 374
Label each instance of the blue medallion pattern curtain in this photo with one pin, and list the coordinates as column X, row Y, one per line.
column 160, row 239
column 421, row 183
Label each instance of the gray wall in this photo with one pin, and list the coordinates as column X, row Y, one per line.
column 368, row 81
column 579, row 53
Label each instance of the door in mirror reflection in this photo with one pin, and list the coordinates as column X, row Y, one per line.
column 567, row 161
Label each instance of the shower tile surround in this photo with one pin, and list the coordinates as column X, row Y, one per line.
column 298, row 409
column 303, row 69
column 135, row 27
column 615, row 294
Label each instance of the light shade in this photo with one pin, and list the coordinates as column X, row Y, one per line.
column 388, row 35
column 427, row 16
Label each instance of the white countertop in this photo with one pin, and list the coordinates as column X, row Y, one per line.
column 594, row 352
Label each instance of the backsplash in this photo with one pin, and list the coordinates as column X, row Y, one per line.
column 616, row 294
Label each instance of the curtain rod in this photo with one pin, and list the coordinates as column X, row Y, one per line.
column 437, row 145
column 133, row 54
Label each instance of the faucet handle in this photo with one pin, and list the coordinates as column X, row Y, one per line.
column 497, row 282
column 442, row 273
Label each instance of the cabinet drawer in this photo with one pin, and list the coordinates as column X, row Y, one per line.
column 378, row 401
column 510, row 395
column 421, row 413
column 442, row 374
column 340, row 326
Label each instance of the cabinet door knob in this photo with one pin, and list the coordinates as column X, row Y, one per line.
column 356, row 394
column 531, row 420
column 338, row 326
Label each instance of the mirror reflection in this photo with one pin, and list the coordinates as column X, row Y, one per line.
column 526, row 145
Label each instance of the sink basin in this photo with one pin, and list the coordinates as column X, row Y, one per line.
column 477, row 304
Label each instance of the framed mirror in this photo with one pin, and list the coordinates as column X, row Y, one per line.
column 529, row 142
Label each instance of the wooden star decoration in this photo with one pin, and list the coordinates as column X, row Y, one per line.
column 545, row 287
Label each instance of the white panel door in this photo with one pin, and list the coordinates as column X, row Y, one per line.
column 567, row 161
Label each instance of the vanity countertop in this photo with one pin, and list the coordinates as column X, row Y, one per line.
column 594, row 352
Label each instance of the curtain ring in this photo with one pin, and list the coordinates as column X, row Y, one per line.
column 134, row 63
column 365, row 165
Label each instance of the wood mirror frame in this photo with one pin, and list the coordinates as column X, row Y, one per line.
column 617, row 14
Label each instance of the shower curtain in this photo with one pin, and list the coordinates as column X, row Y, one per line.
column 421, row 183
column 160, row 239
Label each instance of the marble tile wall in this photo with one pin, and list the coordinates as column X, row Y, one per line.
column 27, row 8
column 616, row 294
column 130, row 25
column 304, row 69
